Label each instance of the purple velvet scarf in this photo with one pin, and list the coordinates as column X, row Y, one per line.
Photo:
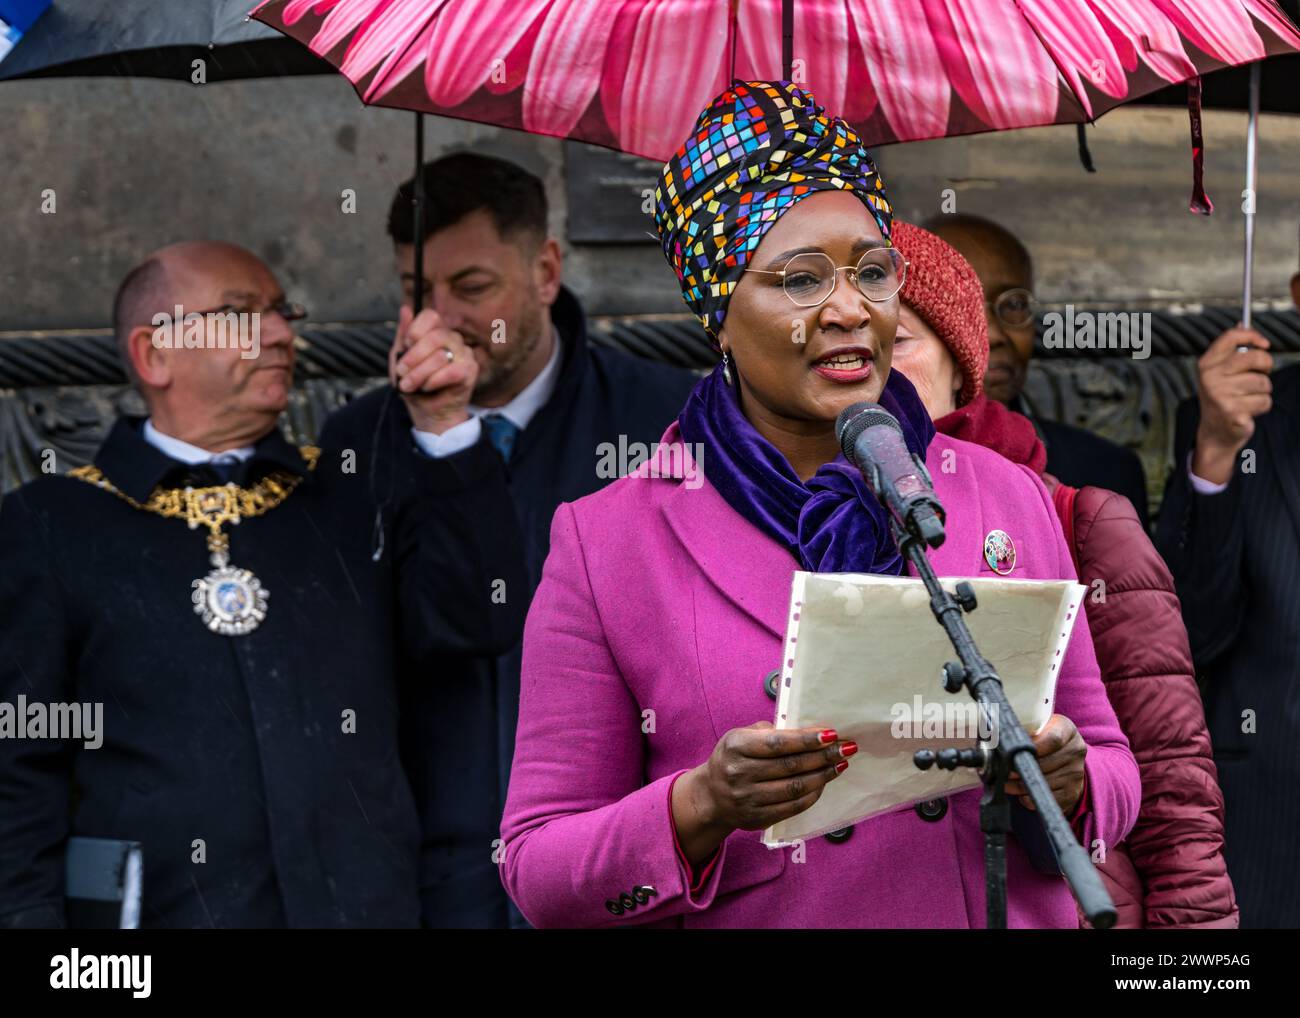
column 832, row 523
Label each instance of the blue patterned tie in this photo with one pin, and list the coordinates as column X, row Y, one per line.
column 227, row 469
column 502, row 433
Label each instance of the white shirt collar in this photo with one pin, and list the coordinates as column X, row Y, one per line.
column 190, row 454
column 535, row 395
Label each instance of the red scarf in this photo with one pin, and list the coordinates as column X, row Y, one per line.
column 988, row 423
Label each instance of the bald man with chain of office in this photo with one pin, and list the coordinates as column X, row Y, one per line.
column 220, row 592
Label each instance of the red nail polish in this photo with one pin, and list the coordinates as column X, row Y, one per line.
column 848, row 749
column 841, row 767
column 827, row 735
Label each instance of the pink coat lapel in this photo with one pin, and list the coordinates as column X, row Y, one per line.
column 743, row 563
column 754, row 572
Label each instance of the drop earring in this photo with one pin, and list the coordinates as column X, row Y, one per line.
column 726, row 368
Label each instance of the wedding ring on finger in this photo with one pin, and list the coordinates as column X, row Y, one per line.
column 450, row 356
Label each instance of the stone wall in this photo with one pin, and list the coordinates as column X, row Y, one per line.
column 137, row 163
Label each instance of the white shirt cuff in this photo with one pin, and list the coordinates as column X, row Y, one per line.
column 1199, row 484
column 453, row 440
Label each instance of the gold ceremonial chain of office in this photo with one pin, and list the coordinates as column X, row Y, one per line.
column 231, row 601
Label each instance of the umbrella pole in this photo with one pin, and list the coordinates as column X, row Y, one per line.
column 1252, row 130
column 417, row 302
column 787, row 39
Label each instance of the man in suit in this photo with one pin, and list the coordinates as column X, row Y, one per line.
column 1074, row 456
column 554, row 407
column 1230, row 530
column 245, row 673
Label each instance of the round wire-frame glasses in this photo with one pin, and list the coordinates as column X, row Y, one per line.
column 809, row 278
column 1014, row 308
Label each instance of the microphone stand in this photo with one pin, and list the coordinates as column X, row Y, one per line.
column 1014, row 749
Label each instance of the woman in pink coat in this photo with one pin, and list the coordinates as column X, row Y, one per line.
column 645, row 764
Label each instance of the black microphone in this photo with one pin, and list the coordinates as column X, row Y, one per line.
column 872, row 440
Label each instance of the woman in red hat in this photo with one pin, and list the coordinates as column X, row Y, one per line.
column 1170, row 870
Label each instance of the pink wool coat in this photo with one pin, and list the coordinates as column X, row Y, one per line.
column 657, row 596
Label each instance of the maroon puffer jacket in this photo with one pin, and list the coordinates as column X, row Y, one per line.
column 1170, row 870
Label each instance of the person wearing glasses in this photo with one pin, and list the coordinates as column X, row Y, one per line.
column 209, row 590
column 646, row 761
column 1074, row 456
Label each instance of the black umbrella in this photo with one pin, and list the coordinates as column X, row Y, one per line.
column 155, row 39
column 147, row 39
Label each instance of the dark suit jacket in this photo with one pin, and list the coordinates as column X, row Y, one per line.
column 1235, row 557
column 237, row 742
column 458, row 735
column 1079, row 458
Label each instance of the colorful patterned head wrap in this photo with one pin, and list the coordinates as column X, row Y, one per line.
column 759, row 148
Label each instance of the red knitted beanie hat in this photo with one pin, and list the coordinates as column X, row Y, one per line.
column 943, row 289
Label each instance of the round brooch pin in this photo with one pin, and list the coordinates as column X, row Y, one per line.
column 1000, row 552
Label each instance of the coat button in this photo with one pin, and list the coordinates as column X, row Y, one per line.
column 932, row 810
column 843, row 834
column 643, row 893
column 613, row 908
column 773, row 683
column 627, row 902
